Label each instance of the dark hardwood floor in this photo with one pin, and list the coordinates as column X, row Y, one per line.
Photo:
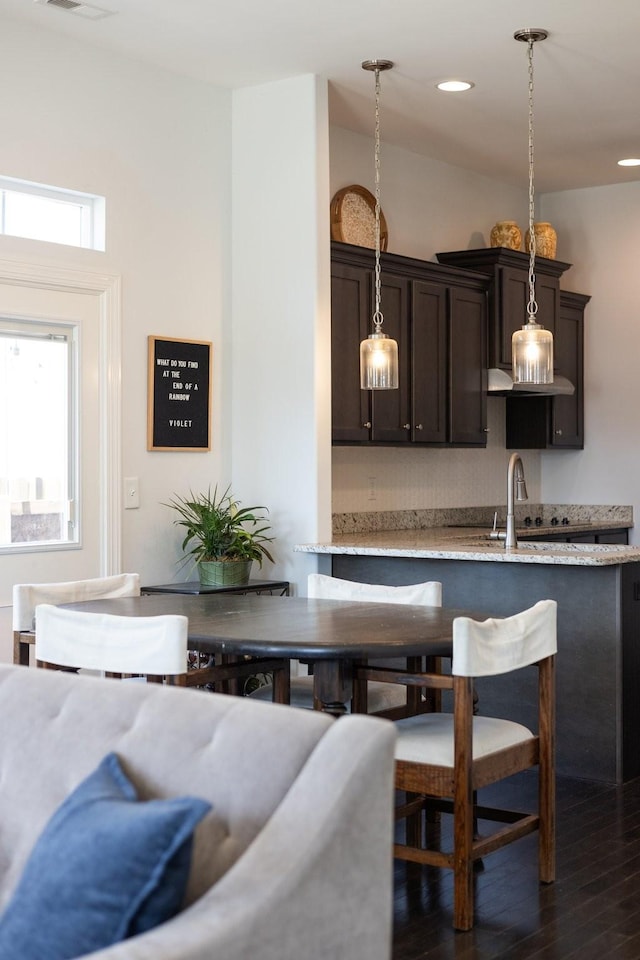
column 591, row 912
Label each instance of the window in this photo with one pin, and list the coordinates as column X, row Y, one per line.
column 38, row 457
column 39, row 212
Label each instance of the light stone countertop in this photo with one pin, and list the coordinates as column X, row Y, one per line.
column 473, row 543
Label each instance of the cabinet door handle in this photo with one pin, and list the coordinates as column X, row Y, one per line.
column 486, row 429
column 367, row 424
column 558, row 433
column 406, row 426
column 419, row 426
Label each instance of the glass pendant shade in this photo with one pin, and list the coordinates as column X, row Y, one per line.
column 378, row 363
column 532, row 354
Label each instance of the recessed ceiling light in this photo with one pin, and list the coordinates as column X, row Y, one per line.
column 454, row 86
column 630, row 162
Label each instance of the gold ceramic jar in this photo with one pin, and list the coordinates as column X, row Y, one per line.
column 546, row 240
column 506, row 233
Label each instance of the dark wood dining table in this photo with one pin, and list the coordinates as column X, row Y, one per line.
column 333, row 635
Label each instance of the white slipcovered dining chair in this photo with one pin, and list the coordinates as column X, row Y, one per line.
column 382, row 697
column 27, row 596
column 442, row 759
column 153, row 647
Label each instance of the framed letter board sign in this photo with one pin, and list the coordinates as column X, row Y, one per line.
column 179, row 389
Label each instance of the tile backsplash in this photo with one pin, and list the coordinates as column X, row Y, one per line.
column 395, row 478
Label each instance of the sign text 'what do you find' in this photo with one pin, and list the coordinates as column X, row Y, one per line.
column 179, row 391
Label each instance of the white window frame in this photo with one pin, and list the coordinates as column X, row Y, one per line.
column 92, row 224
column 70, row 333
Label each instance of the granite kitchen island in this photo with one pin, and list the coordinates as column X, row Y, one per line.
column 597, row 588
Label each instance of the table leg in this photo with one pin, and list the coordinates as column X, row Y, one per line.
column 332, row 685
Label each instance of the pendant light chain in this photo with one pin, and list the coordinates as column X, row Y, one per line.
column 532, row 306
column 378, row 353
column 532, row 345
column 377, row 316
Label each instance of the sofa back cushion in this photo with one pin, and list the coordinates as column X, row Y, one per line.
column 238, row 754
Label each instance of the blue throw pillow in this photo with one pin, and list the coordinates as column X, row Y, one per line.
column 106, row 867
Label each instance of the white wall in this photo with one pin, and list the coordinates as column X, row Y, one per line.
column 599, row 233
column 281, row 397
column 429, row 207
column 158, row 147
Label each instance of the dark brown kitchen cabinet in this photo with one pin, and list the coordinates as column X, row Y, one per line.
column 547, row 423
column 438, row 317
column 508, row 273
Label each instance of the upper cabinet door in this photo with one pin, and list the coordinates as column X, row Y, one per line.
column 514, row 297
column 467, row 367
column 391, row 414
column 350, row 318
column 429, row 362
column 548, row 423
column 567, row 416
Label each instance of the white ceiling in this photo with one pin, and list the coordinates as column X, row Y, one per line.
column 587, row 73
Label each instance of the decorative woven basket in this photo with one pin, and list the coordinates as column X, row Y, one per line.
column 353, row 218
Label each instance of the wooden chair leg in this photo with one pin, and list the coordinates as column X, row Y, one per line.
column 463, row 812
column 546, row 778
column 413, row 825
column 463, row 867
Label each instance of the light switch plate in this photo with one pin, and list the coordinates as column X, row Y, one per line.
column 131, row 493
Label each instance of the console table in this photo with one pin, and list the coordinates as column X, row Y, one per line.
column 273, row 587
column 204, row 662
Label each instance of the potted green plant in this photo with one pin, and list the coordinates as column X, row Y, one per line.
column 222, row 538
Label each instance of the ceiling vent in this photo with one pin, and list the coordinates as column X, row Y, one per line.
column 63, row 4
column 85, row 10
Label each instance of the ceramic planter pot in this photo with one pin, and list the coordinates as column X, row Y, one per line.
column 219, row 573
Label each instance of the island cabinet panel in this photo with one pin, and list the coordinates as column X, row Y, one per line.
column 598, row 662
column 438, row 317
column 545, row 423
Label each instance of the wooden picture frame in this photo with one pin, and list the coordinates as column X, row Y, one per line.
column 179, row 380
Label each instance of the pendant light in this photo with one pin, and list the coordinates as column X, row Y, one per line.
column 532, row 345
column 378, row 353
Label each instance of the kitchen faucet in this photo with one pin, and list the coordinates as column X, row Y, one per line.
column 516, row 490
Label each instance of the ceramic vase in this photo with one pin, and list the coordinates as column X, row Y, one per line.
column 546, row 240
column 224, row 572
column 506, row 233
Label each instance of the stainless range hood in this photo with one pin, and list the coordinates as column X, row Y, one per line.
column 499, row 383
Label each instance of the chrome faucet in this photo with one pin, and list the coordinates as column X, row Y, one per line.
column 516, row 490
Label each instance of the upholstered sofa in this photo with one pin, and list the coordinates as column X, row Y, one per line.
column 294, row 858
